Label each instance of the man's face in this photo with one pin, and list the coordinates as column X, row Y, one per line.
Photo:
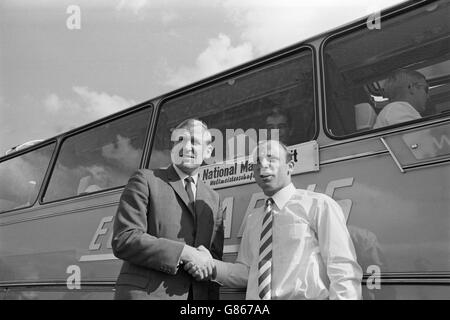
column 191, row 147
column 99, row 175
column 420, row 95
column 271, row 171
column 279, row 122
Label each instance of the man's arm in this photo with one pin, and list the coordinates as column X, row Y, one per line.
column 131, row 242
column 233, row 275
column 338, row 252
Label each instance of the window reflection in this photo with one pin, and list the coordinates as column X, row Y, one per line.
column 101, row 158
column 21, row 178
column 277, row 96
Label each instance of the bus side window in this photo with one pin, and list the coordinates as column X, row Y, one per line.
column 22, row 177
column 100, row 158
column 382, row 78
column 278, row 95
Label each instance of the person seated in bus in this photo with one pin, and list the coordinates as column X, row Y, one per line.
column 96, row 180
column 281, row 120
column 408, row 91
column 301, row 233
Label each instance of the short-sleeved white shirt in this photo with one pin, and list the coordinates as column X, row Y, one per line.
column 396, row 112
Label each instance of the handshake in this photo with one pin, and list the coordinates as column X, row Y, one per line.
column 198, row 262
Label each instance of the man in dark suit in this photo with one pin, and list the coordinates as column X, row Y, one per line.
column 167, row 218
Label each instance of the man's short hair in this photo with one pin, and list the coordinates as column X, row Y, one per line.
column 283, row 146
column 193, row 122
column 399, row 80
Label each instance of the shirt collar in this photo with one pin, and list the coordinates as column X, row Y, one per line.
column 281, row 197
column 183, row 175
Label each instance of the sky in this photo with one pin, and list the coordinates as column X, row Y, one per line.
column 64, row 63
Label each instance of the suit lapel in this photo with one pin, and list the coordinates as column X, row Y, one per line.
column 177, row 185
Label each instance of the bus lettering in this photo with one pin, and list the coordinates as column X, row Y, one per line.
column 346, row 204
column 442, row 143
column 227, row 205
column 100, row 231
column 246, row 166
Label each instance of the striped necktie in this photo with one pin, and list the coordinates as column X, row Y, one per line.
column 265, row 254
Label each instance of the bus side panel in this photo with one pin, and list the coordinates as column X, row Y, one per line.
column 399, row 222
column 60, row 242
column 404, row 215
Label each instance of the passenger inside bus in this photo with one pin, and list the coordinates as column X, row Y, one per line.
column 95, row 181
column 408, row 91
column 281, row 120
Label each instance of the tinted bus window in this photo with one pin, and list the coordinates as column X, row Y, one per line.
column 100, row 158
column 21, row 178
column 362, row 71
column 279, row 95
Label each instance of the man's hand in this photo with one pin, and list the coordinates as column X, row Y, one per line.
column 199, row 263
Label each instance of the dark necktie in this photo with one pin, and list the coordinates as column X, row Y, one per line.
column 188, row 186
column 265, row 254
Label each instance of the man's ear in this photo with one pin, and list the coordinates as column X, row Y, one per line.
column 208, row 151
column 290, row 166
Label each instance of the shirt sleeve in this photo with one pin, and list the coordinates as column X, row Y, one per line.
column 338, row 252
column 401, row 113
column 235, row 275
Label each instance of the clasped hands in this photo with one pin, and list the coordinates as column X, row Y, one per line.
column 199, row 263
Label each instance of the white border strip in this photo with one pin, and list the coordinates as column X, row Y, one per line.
column 109, row 256
column 392, row 154
column 232, row 248
column 98, row 257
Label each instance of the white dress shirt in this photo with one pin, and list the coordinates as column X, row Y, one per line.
column 183, row 176
column 396, row 112
column 313, row 256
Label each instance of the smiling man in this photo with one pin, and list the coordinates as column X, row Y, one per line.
column 297, row 246
column 166, row 218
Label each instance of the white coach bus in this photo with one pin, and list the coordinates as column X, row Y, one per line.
column 58, row 197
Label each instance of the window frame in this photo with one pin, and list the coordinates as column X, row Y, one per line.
column 91, row 126
column 348, row 30
column 30, row 149
column 247, row 68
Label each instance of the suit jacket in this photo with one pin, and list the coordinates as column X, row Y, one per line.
column 152, row 224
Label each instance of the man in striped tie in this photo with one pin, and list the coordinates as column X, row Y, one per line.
column 297, row 246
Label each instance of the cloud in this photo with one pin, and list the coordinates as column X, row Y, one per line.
column 168, row 17
column 87, row 105
column 273, row 24
column 134, row 6
column 34, row 119
column 102, row 104
column 266, row 26
column 122, row 152
column 219, row 55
